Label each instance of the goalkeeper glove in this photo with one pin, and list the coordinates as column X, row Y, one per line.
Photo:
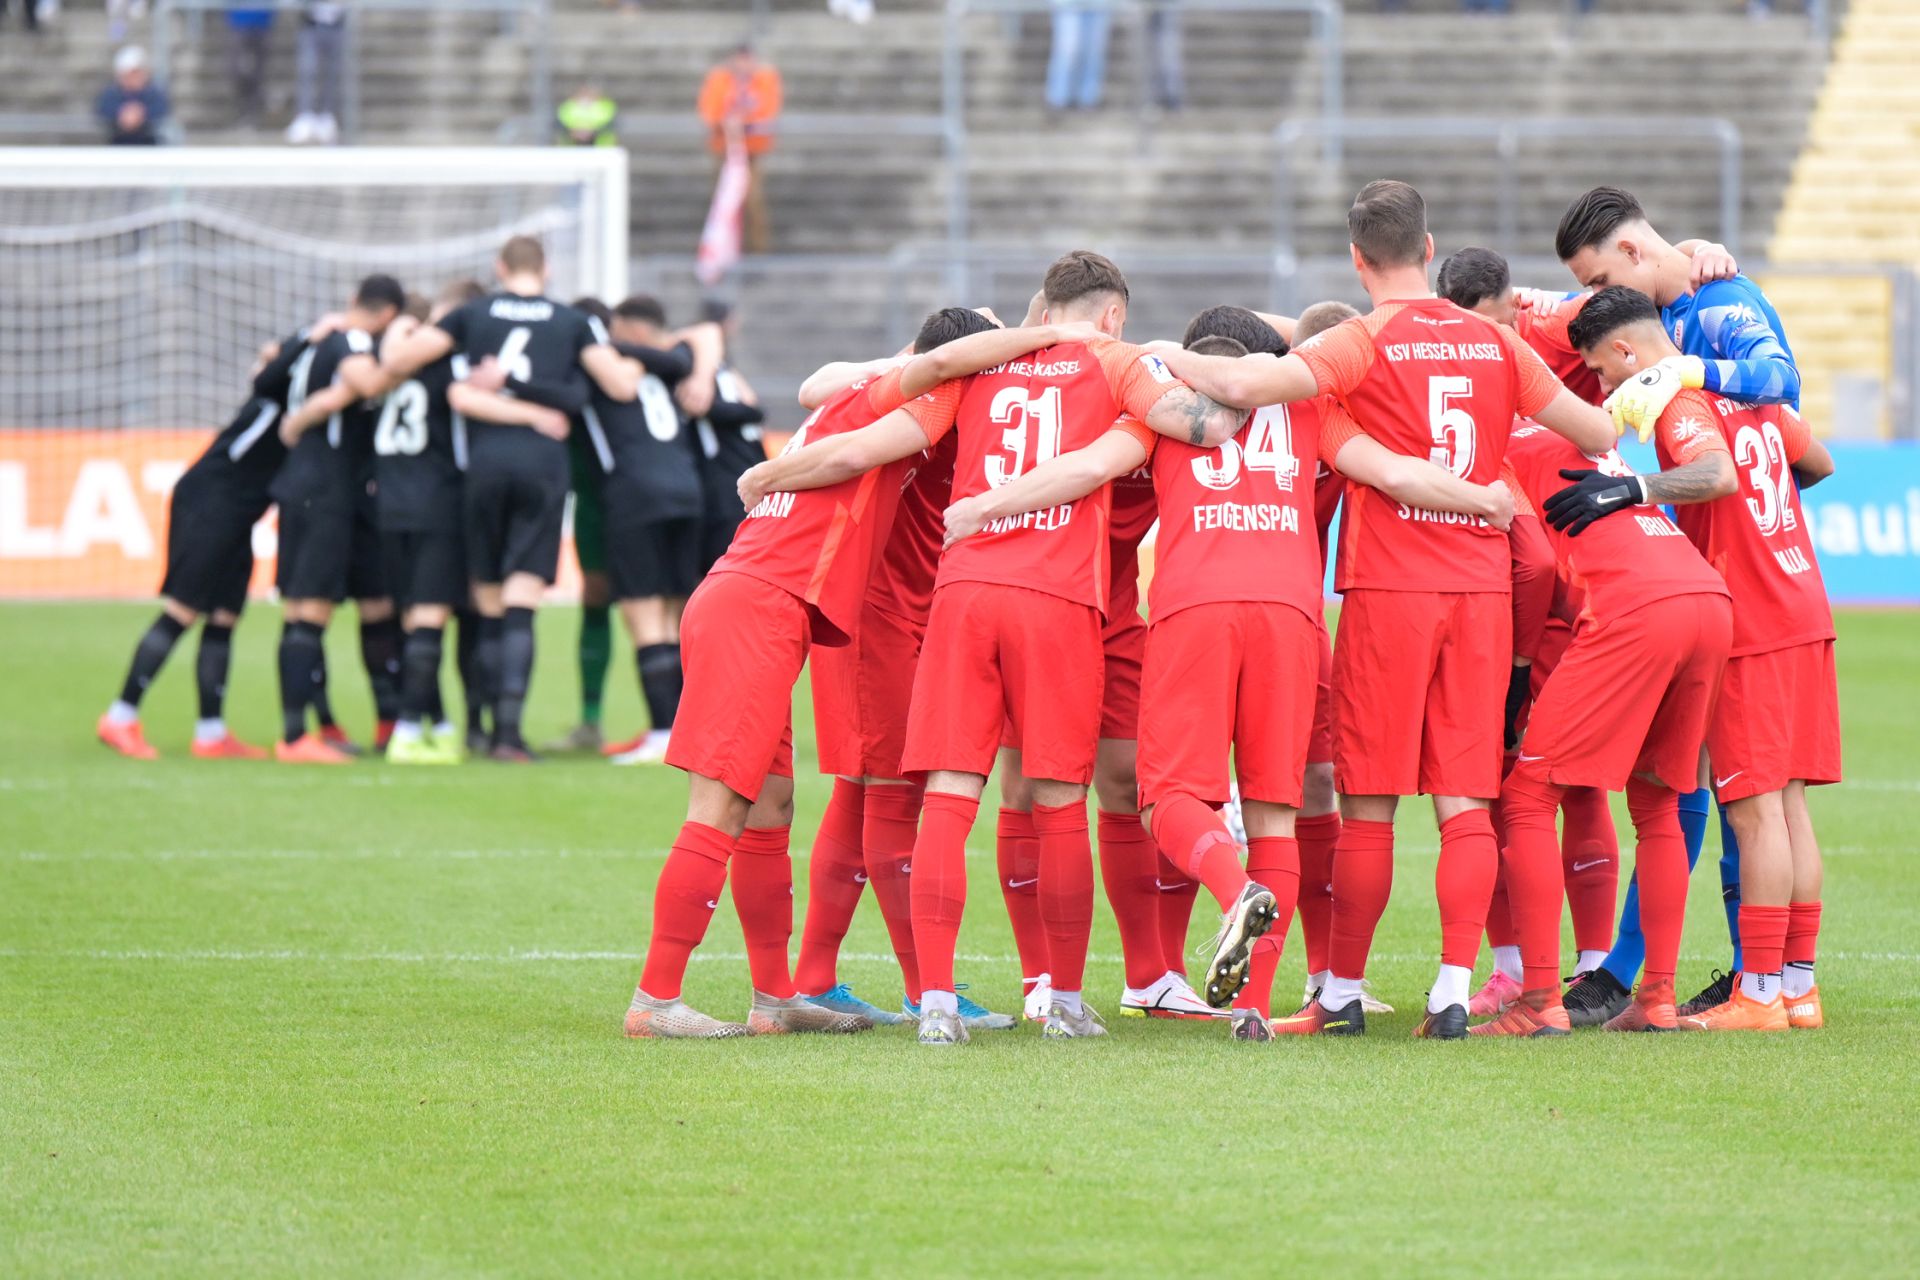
column 1591, row 495
column 1640, row 400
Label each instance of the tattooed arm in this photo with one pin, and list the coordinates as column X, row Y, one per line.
column 1199, row 420
column 1702, row 480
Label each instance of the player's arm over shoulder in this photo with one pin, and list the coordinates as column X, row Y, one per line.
column 1151, row 394
column 1689, row 430
column 1413, row 481
column 1057, row 481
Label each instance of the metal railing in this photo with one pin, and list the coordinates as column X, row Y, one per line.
column 529, row 18
column 1505, row 133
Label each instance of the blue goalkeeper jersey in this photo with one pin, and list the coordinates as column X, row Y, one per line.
column 1732, row 327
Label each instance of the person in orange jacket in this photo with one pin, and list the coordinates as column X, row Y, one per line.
column 740, row 100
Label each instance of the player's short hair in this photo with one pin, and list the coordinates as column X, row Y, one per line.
column 1238, row 323
column 1388, row 225
column 378, row 292
column 523, row 254
column 592, row 306
column 948, row 323
column 1082, row 274
column 643, row 308
column 1217, row 344
column 1471, row 276
column 1319, row 318
column 419, row 306
column 458, row 293
column 1593, row 217
column 1612, row 309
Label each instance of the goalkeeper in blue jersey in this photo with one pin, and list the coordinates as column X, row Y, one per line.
column 1732, row 344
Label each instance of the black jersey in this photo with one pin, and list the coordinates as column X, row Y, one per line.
column 644, row 444
column 325, row 465
column 536, row 341
column 246, row 455
column 730, row 435
column 416, row 451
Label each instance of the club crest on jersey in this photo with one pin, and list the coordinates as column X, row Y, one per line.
column 1157, row 367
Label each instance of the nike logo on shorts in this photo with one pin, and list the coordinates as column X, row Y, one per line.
column 1721, row 782
column 712, row 905
column 859, row 877
column 1021, row 884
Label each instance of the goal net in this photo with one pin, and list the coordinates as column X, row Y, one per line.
column 139, row 286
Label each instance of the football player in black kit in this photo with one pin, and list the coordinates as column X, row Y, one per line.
column 521, row 342
column 727, row 417
column 321, row 488
column 212, row 511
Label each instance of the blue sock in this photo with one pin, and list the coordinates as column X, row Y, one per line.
column 1730, row 883
column 1630, row 945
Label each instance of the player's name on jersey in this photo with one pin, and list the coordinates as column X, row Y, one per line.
column 1399, row 351
column 1246, row 517
column 1658, row 527
column 1420, row 515
column 1793, row 560
column 521, row 310
column 1036, row 369
column 772, row 507
column 1046, row 518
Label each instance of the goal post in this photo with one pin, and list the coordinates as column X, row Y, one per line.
column 139, row 284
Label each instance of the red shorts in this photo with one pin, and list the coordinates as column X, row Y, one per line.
column 1419, row 689
column 1553, row 642
column 1778, row 721
column 1320, row 742
column 743, row 644
column 998, row 655
column 1234, row 675
column 1125, row 645
column 1633, row 694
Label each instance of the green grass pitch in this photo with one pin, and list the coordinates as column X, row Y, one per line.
column 257, row 1020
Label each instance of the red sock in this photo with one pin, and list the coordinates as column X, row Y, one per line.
column 1066, row 890
column 892, row 815
column 1530, row 804
column 1803, row 932
column 1195, row 839
column 1660, row 865
column 1463, row 883
column 1362, row 881
column 836, row 872
column 1590, row 852
column 1317, row 837
column 1500, row 930
column 1129, row 872
column 1273, row 861
column 1177, row 892
column 683, row 903
column 1017, row 850
column 940, row 884
column 1763, row 938
column 763, row 899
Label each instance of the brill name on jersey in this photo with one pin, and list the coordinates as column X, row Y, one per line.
column 1444, row 351
column 1245, row 517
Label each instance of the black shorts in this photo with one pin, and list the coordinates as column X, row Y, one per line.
column 316, row 545
column 654, row 558
column 367, row 559
column 427, row 566
column 513, row 524
column 209, row 550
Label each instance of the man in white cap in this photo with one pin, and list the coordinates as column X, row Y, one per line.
column 133, row 106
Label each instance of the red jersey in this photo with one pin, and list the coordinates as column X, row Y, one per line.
column 903, row 572
column 819, row 543
column 1617, row 564
column 1237, row 522
column 1756, row 536
column 1429, row 380
column 1134, row 511
column 1022, row 413
column 1544, row 327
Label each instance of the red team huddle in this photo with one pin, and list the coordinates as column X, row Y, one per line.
column 952, row 538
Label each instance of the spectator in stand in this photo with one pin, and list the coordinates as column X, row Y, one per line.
column 122, row 12
column 740, row 103
column 1164, row 55
column 1077, row 65
column 587, row 118
column 319, row 52
column 29, row 13
column 133, row 107
column 249, row 31
column 1484, row 6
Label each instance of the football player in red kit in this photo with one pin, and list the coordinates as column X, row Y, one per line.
column 1733, row 473
column 1423, row 656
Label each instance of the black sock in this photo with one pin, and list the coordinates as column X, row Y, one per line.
column 300, row 677
column 516, row 673
column 210, row 669
column 420, row 675
column 380, row 651
column 149, row 656
column 660, row 681
column 486, row 664
column 465, row 649
column 322, row 705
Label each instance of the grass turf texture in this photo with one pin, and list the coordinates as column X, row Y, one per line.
column 278, row 1021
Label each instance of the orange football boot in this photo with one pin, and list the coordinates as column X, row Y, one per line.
column 309, row 749
column 1650, row 1010
column 1315, row 1019
column 1803, row 1012
column 1741, row 1013
column 126, row 739
column 1536, row 1013
column 227, row 747
column 611, row 749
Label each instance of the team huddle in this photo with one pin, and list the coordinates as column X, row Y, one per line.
column 949, row 548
